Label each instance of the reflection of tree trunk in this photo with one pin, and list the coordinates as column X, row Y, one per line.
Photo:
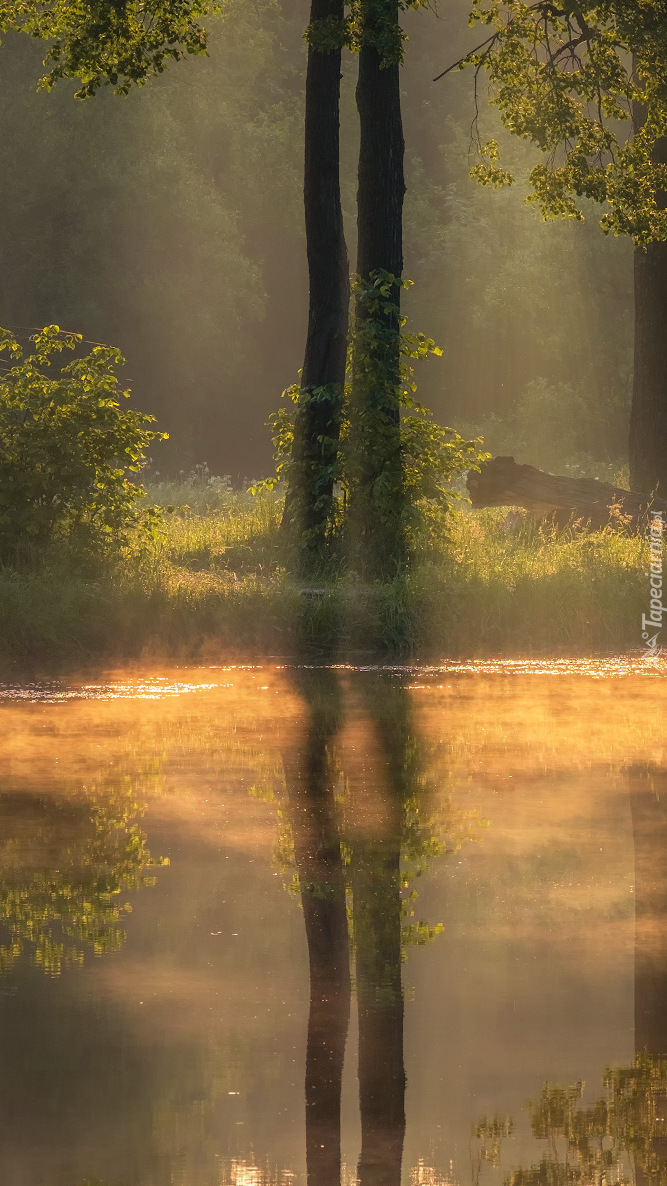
column 648, row 799
column 320, row 869
column 377, row 935
column 377, row 939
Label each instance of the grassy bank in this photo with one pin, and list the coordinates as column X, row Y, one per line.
column 214, row 587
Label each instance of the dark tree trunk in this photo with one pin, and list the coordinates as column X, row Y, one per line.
column 309, row 502
column 310, row 786
column 376, row 498
column 648, row 413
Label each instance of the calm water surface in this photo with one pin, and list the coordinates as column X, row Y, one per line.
column 277, row 926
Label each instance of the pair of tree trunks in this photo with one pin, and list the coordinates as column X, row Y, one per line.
column 376, row 486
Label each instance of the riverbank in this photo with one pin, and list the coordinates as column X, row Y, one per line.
column 214, row 586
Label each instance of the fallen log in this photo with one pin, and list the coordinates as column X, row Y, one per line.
column 587, row 501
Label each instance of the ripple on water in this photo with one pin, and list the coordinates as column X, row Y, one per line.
column 166, row 687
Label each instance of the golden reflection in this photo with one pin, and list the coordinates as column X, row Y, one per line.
column 244, row 1173
column 425, row 1175
column 410, row 766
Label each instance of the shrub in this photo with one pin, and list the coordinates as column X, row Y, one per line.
column 67, row 448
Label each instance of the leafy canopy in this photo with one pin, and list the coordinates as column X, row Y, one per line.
column 118, row 43
column 67, row 448
column 587, row 83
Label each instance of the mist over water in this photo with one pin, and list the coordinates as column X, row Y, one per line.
column 171, row 1043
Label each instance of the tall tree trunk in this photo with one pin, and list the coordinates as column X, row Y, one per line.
column 376, row 496
column 648, row 411
column 310, row 786
column 309, row 502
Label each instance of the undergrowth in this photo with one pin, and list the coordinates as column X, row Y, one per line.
column 213, row 585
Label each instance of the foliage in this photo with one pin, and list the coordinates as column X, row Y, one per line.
column 67, row 447
column 598, row 1141
column 485, row 583
column 58, row 913
column 432, row 456
column 119, row 44
column 368, row 23
column 570, row 77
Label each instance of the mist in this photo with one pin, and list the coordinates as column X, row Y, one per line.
column 170, row 224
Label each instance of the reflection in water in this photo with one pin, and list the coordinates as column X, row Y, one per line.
column 351, row 879
column 621, row 1137
column 180, row 1061
column 376, row 896
column 310, row 778
column 62, row 867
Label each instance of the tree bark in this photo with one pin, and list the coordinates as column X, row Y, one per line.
column 310, row 498
column 376, row 497
column 648, row 410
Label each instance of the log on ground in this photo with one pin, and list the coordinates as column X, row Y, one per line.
column 587, row 501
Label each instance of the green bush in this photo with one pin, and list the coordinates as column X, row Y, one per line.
column 67, row 448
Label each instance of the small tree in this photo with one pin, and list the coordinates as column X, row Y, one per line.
column 67, row 448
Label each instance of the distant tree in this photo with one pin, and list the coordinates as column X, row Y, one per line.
column 587, row 83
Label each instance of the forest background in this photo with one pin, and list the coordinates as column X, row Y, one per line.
column 170, row 224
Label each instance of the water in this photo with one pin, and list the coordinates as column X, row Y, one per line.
column 211, row 947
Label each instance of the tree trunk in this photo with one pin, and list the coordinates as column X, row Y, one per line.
column 648, row 411
column 309, row 501
column 376, row 472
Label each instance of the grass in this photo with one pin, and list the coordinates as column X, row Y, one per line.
column 214, row 586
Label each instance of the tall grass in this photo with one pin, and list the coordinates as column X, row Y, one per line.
column 214, row 586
